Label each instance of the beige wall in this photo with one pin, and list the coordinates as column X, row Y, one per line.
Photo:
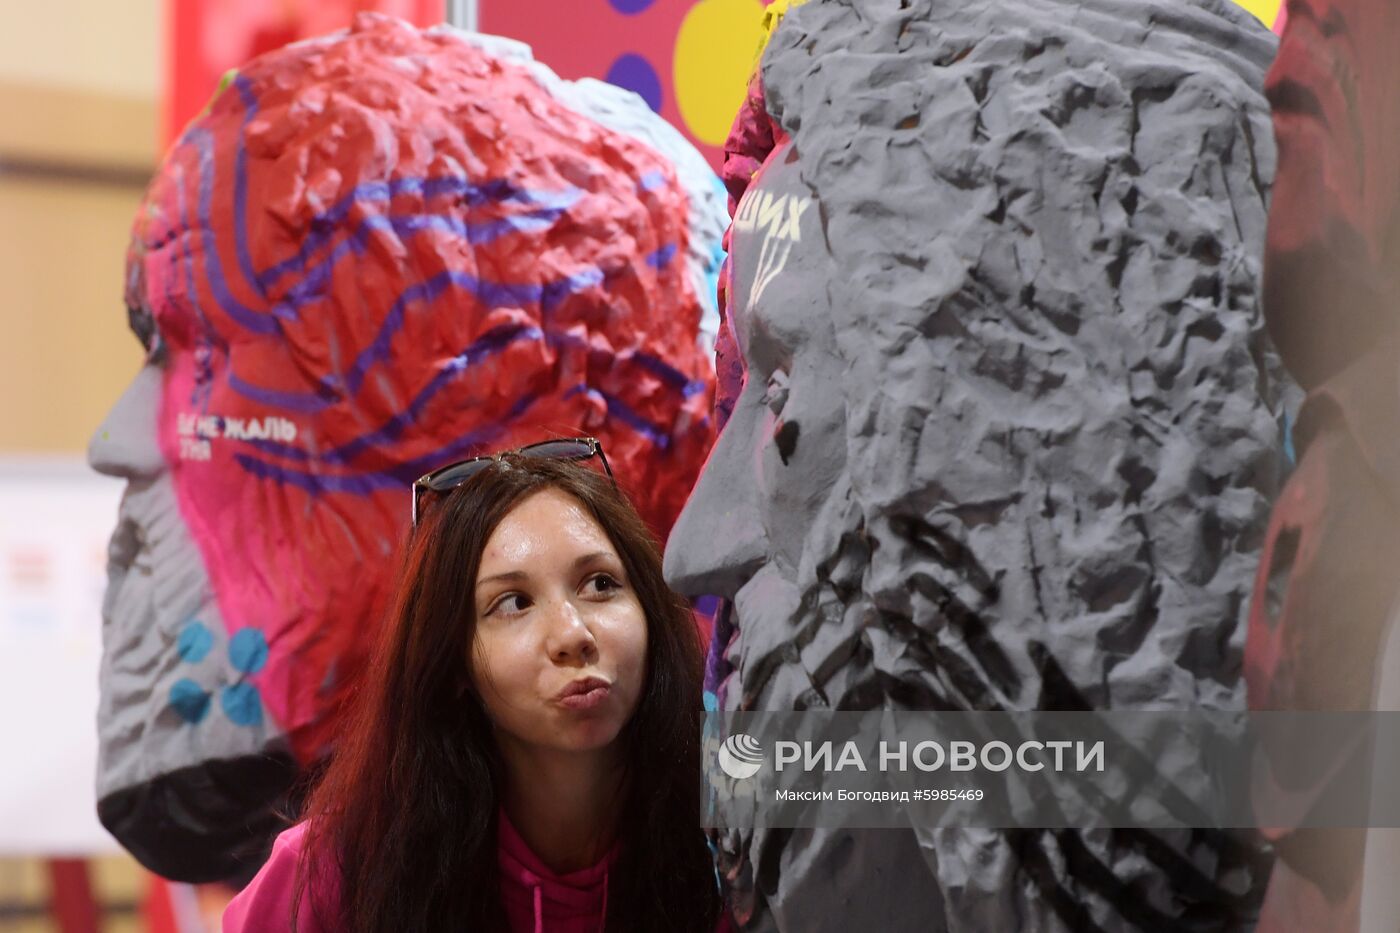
column 111, row 46
column 78, row 129
column 65, row 353
column 79, row 85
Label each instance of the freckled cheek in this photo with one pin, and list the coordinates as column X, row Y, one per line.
column 505, row 670
column 627, row 643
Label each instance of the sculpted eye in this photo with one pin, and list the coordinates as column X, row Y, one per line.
column 1333, row 24
column 775, row 396
column 156, row 351
column 143, row 325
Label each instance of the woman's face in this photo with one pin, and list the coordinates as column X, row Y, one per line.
column 559, row 655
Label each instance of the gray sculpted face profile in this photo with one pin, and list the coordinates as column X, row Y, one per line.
column 779, row 468
column 156, row 584
column 1010, row 424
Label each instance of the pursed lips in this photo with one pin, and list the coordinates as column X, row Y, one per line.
column 584, row 693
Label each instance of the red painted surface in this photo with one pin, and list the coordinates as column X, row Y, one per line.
column 397, row 252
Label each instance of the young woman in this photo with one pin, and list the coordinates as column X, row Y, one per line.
column 525, row 753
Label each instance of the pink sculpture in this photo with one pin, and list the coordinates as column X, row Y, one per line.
column 374, row 253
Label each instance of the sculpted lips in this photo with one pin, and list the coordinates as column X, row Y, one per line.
column 124, row 545
column 128, row 549
column 1293, row 97
column 1311, row 81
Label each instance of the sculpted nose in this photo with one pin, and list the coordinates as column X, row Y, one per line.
column 127, row 444
column 719, row 541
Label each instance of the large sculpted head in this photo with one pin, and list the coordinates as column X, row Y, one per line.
column 1002, row 424
column 1334, row 226
column 1324, row 604
column 374, row 253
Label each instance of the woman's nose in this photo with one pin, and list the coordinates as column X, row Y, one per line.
column 127, row 443
column 569, row 638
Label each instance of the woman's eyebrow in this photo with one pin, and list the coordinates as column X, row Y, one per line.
column 517, row 576
column 594, row 556
column 513, row 576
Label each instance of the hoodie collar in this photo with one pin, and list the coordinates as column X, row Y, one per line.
column 581, row 894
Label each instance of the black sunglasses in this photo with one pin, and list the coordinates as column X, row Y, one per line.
column 448, row 478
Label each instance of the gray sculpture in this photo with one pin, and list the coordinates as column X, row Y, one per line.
column 1010, row 426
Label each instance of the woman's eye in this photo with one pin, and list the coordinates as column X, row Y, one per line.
column 511, row 603
column 603, row 583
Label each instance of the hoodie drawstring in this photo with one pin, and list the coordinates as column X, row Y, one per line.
column 537, row 885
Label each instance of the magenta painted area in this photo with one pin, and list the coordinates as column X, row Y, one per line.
column 585, row 38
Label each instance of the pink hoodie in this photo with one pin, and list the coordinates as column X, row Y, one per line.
column 536, row 899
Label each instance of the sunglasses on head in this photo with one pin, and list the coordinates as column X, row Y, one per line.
column 447, row 478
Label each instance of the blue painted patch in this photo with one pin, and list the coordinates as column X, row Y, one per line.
column 630, row 7
column 247, row 651
column 241, row 704
column 194, row 642
column 662, row 257
column 189, row 700
column 635, row 73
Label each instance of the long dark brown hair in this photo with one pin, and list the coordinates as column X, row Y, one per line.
column 404, row 816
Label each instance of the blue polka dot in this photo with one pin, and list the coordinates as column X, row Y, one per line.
column 189, row 700
column 194, row 642
column 630, row 7
column 636, row 74
column 247, row 651
column 241, row 704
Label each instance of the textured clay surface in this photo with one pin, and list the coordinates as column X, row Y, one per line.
column 1003, row 422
